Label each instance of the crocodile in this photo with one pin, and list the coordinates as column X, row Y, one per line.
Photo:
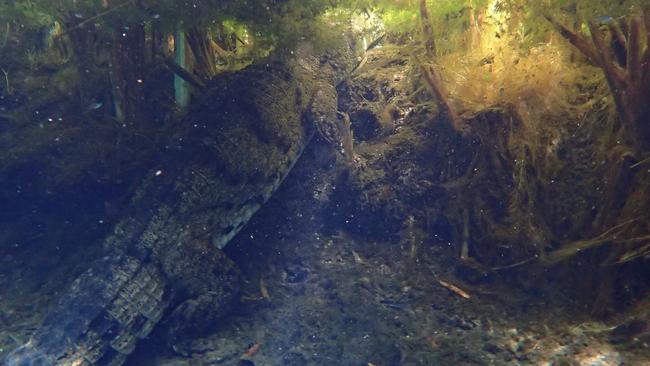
column 163, row 262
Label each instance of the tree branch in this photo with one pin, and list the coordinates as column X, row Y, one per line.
column 601, row 50
column 429, row 73
column 439, row 93
column 626, row 71
column 618, row 36
column 184, row 74
column 578, row 41
column 427, row 31
column 634, row 50
column 645, row 60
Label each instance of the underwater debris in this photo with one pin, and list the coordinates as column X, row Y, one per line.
column 614, row 235
column 252, row 350
column 455, row 289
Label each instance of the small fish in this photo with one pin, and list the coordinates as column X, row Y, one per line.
column 393, row 304
column 94, row 106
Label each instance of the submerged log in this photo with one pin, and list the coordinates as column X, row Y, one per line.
column 232, row 151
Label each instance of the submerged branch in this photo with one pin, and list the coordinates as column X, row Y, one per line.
column 375, row 43
column 626, row 67
column 514, row 265
column 429, row 73
column 609, row 236
column 644, row 161
column 427, row 31
column 438, row 91
column 184, row 74
column 576, row 40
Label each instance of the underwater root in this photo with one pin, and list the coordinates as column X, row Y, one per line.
column 429, row 72
column 440, row 94
column 610, row 236
column 626, row 66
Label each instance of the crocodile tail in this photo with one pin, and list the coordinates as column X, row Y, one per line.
column 98, row 322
